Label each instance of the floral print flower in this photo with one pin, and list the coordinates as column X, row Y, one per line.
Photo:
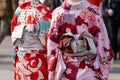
column 30, row 65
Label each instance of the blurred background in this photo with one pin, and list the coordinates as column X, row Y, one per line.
column 111, row 15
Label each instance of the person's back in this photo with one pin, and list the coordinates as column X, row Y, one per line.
column 29, row 28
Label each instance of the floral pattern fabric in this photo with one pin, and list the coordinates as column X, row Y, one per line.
column 78, row 18
column 31, row 63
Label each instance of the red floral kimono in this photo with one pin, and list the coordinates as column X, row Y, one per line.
column 69, row 20
column 30, row 25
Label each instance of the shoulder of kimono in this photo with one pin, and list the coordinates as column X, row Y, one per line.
column 57, row 10
column 95, row 9
column 40, row 8
column 17, row 11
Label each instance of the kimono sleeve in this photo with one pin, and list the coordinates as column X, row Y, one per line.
column 104, row 47
column 43, row 28
column 44, row 25
column 14, row 19
column 52, row 43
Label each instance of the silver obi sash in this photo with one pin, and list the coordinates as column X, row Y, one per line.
column 77, row 44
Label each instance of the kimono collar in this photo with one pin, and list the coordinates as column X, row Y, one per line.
column 74, row 6
column 28, row 4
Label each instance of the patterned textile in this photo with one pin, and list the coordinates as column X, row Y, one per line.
column 29, row 54
column 78, row 18
column 95, row 2
column 30, row 65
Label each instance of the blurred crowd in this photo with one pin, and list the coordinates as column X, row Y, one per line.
column 7, row 8
column 110, row 10
column 111, row 16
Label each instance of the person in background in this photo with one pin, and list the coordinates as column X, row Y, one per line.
column 7, row 8
column 29, row 27
column 112, row 9
column 78, row 47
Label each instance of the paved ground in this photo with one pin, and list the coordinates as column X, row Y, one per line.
column 6, row 67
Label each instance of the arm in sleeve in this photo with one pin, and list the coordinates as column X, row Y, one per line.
column 104, row 47
column 52, row 43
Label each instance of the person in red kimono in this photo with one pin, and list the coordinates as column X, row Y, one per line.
column 29, row 27
column 78, row 47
